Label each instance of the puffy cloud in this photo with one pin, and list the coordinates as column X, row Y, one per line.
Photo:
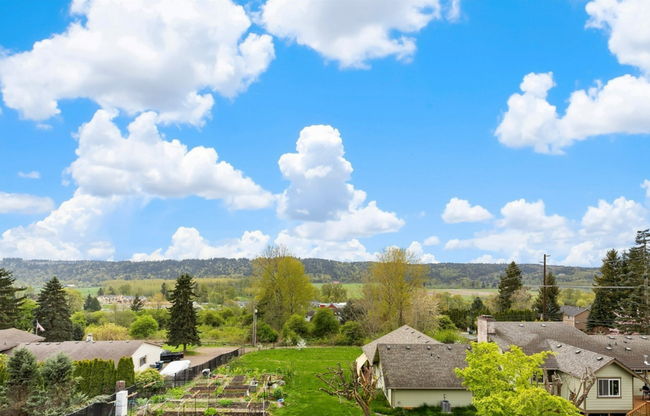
column 140, row 55
column 144, row 164
column 353, row 33
column 187, row 243
column 526, row 232
column 460, row 210
column 65, row 234
column 646, row 185
column 30, row 175
column 351, row 250
column 416, row 248
column 24, row 204
column 319, row 174
column 320, row 195
column 629, row 32
column 488, row 259
column 432, row 241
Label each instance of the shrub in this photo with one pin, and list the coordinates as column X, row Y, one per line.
column 278, row 393
column 352, row 333
column 149, row 376
column 225, row 402
column 265, row 333
column 210, row 411
column 444, row 323
column 125, row 371
column 449, row 336
column 143, row 327
column 325, row 323
column 211, row 318
column 108, row 332
column 298, row 325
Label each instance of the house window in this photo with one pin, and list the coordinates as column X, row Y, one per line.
column 143, row 360
column 609, row 387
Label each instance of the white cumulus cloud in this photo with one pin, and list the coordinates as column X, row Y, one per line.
column 460, row 210
column 432, row 241
column 187, row 243
column 418, row 251
column 24, row 204
column 143, row 164
column 354, row 32
column 139, row 55
column 30, row 175
column 351, row 250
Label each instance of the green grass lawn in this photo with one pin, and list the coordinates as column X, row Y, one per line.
column 354, row 289
column 302, row 395
column 85, row 291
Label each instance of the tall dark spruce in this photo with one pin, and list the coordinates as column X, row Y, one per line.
column 508, row 285
column 53, row 313
column 635, row 312
column 182, row 327
column 10, row 303
column 553, row 312
column 605, row 307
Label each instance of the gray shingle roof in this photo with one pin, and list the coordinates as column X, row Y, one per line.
column 572, row 310
column 82, row 350
column 11, row 337
column 631, row 350
column 422, row 366
column 402, row 335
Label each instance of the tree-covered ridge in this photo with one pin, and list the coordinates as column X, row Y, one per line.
column 93, row 272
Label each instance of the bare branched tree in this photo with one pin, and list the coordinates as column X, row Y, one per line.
column 578, row 388
column 358, row 387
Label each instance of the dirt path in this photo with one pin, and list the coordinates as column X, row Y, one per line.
column 205, row 354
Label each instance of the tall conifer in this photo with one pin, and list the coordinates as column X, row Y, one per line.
column 53, row 313
column 508, row 285
column 607, row 301
column 553, row 312
column 182, row 328
column 10, row 303
column 634, row 304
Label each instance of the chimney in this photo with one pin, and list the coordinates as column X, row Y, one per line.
column 89, row 338
column 485, row 327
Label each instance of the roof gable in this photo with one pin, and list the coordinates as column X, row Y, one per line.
column 402, row 335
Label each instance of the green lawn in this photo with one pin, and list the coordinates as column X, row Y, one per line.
column 85, row 291
column 354, row 289
column 302, row 395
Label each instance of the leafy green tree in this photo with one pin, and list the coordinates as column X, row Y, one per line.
column 352, row 333
column 333, row 292
column 137, row 304
column 265, row 333
column 283, row 288
column 325, row 323
column 143, row 327
column 394, row 278
column 606, row 303
column 502, row 384
column 508, row 285
column 53, row 313
column 10, row 302
column 183, row 321
column 553, row 312
column 26, row 318
column 298, row 325
column 211, row 318
column 73, row 299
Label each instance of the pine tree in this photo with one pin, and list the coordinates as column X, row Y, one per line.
column 9, row 303
column 88, row 302
column 553, row 312
column 607, row 301
column 508, row 285
column 163, row 290
column 95, row 305
column 182, row 328
column 137, row 304
column 53, row 313
column 634, row 304
column 100, row 292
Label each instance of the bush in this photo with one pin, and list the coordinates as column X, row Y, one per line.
column 352, row 333
column 449, row 336
column 444, row 323
column 265, row 333
column 325, row 323
column 143, row 327
column 211, row 318
column 210, row 411
column 298, row 325
column 278, row 393
column 108, row 332
column 149, row 376
column 225, row 402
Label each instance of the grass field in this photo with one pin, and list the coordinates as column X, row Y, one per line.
column 354, row 289
column 303, row 397
column 85, row 291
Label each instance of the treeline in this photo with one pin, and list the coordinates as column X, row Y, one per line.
column 94, row 273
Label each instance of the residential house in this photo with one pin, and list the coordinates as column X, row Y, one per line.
column 413, row 369
column 617, row 384
column 142, row 353
column 575, row 316
column 12, row 337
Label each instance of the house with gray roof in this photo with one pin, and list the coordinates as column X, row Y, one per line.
column 575, row 316
column 617, row 363
column 414, row 369
column 142, row 353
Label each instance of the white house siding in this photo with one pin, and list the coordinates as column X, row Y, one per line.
column 604, row 404
column 416, row 398
column 150, row 351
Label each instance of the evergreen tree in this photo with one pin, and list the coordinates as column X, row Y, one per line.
column 126, row 371
column 53, row 313
column 95, row 305
column 100, row 292
column 606, row 303
column 553, row 312
column 137, row 304
column 163, row 290
column 88, row 302
column 182, row 327
column 634, row 304
column 508, row 285
column 111, row 291
column 22, row 370
column 10, row 304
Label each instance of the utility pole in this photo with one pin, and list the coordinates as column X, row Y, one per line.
column 645, row 281
column 544, row 291
column 254, row 326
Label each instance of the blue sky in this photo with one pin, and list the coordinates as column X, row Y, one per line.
column 464, row 131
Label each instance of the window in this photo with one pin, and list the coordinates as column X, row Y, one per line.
column 609, row 387
column 143, row 360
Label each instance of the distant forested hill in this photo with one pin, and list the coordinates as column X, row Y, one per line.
column 90, row 272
